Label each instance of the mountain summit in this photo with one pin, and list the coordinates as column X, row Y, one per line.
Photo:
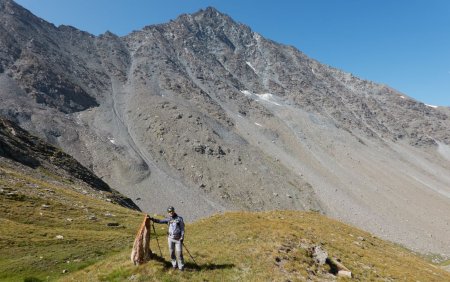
column 207, row 115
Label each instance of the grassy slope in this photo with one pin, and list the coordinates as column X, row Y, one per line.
column 28, row 244
column 235, row 246
column 270, row 246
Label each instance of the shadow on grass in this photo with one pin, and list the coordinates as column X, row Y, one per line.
column 208, row 266
column 192, row 265
column 160, row 259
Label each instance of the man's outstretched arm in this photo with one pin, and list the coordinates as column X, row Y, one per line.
column 165, row 220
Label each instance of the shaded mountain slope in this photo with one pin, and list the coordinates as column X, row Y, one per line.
column 18, row 145
column 207, row 115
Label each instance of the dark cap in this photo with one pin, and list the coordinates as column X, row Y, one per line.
column 170, row 209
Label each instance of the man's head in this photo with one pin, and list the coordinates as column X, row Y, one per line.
column 171, row 210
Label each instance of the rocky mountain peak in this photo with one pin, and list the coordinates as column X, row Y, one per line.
column 207, row 14
column 209, row 24
column 211, row 13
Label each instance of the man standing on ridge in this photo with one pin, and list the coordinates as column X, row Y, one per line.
column 175, row 238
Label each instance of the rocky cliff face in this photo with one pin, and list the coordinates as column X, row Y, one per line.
column 207, row 115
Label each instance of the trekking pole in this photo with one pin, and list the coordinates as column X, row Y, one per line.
column 156, row 236
column 189, row 253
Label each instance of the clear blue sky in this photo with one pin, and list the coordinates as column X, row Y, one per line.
column 401, row 43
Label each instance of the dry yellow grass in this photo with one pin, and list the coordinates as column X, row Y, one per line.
column 270, row 246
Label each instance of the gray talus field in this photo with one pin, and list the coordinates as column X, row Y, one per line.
column 207, row 115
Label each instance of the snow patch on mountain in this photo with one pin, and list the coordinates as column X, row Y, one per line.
column 265, row 97
column 250, row 65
